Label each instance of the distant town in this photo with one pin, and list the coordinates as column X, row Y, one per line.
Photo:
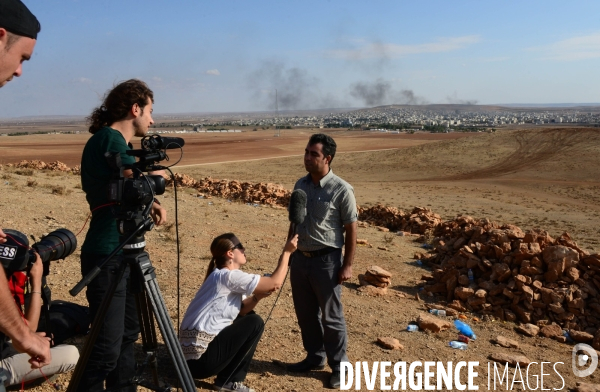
column 394, row 119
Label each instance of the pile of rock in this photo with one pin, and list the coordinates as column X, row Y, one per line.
column 374, row 281
column 41, row 165
column 263, row 193
column 525, row 276
column 419, row 220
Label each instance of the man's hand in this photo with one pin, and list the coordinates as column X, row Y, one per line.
column 159, row 214
column 345, row 273
column 38, row 348
column 2, row 237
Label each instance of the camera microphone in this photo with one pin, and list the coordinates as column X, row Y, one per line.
column 297, row 209
column 157, row 142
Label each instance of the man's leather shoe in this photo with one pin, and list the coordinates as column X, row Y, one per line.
column 304, row 366
column 334, row 381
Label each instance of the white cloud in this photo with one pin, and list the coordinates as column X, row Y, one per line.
column 83, row 80
column 156, row 79
column 388, row 50
column 572, row 49
column 214, row 72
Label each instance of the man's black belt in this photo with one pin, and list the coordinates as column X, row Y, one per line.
column 318, row 253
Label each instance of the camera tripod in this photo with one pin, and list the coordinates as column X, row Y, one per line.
column 149, row 303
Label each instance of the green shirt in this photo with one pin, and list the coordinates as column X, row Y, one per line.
column 102, row 237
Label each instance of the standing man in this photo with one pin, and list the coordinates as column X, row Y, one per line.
column 18, row 35
column 318, row 268
column 126, row 112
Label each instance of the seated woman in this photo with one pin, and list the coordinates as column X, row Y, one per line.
column 64, row 357
column 219, row 331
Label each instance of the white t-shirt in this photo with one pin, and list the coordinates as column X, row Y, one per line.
column 215, row 306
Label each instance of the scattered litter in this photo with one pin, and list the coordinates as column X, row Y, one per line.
column 463, row 338
column 464, row 329
column 200, row 196
column 426, row 246
column 438, row 312
column 462, row 317
column 412, row 328
column 471, row 277
column 458, row 345
column 566, row 335
column 210, row 203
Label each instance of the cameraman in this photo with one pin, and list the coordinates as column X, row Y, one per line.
column 18, row 34
column 64, row 357
column 126, row 112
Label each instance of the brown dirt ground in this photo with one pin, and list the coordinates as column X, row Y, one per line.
column 532, row 178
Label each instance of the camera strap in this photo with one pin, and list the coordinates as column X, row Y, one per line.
column 16, row 283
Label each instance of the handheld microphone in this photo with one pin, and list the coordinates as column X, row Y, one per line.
column 297, row 209
column 157, row 142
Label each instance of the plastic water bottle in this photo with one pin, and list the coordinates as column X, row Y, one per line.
column 458, row 345
column 464, row 329
column 471, row 276
column 412, row 328
column 437, row 312
column 566, row 335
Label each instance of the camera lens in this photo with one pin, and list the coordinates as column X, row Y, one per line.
column 57, row 245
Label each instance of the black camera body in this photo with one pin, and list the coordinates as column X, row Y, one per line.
column 16, row 255
column 134, row 196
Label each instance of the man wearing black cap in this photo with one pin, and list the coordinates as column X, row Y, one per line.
column 18, row 33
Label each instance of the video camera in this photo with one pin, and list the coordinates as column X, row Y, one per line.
column 15, row 254
column 134, row 196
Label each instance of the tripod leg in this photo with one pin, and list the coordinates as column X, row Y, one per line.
column 148, row 332
column 166, row 328
column 94, row 331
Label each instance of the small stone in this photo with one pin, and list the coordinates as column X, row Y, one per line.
column 550, row 331
column 372, row 290
column 375, row 270
column 433, row 324
column 390, row 343
column 587, row 387
column 580, row 336
column 505, row 342
column 510, row 358
column 528, row 329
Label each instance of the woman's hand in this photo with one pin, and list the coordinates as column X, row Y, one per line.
column 291, row 245
column 36, row 271
column 262, row 295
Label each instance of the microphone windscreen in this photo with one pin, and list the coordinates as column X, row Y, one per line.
column 297, row 206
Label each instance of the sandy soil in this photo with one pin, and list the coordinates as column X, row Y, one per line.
column 532, row 178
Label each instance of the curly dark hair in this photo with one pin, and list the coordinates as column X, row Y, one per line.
column 327, row 141
column 117, row 103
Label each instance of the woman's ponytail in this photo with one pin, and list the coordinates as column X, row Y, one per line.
column 210, row 268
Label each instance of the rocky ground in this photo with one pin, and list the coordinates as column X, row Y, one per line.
column 39, row 201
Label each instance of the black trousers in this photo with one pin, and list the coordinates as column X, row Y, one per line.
column 226, row 354
column 112, row 358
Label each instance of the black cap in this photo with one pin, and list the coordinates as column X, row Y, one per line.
column 16, row 18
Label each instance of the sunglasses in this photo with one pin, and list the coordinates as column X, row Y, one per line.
column 240, row 247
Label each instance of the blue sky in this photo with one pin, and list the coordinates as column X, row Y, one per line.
column 227, row 56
